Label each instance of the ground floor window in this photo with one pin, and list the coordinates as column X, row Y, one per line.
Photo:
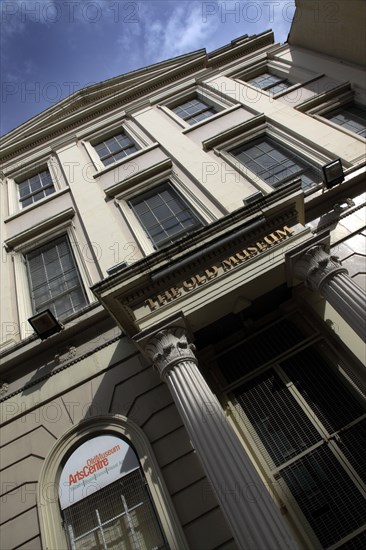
column 105, row 500
column 305, row 416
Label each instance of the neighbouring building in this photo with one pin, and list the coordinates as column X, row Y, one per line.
column 196, row 231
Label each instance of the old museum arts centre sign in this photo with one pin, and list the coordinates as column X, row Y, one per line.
column 95, row 464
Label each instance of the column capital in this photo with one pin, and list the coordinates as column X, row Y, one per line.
column 168, row 347
column 315, row 266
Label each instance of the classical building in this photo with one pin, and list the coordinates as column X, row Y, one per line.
column 188, row 241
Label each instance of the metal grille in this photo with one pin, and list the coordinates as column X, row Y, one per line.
column 251, row 354
column 321, row 388
column 119, row 517
column 353, row 445
column 357, row 543
column 306, row 423
column 279, row 425
column 327, row 497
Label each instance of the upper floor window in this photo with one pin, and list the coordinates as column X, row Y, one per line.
column 115, row 148
column 351, row 117
column 270, row 82
column 54, row 279
column 276, row 164
column 164, row 214
column 194, row 110
column 35, row 188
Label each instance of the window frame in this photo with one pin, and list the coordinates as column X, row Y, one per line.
column 153, row 192
column 90, row 140
column 52, row 532
column 261, row 128
column 149, row 183
column 62, row 226
column 19, row 174
column 195, row 92
column 320, row 112
column 50, row 303
column 277, row 68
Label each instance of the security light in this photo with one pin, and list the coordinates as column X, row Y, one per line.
column 45, row 324
column 333, row 173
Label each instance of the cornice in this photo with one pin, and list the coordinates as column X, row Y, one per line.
column 111, row 102
column 40, row 228
column 207, row 234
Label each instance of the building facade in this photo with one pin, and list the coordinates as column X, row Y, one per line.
column 188, row 225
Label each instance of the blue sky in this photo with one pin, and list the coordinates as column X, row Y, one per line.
column 51, row 48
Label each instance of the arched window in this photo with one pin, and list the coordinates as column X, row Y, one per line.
column 105, row 499
column 101, row 488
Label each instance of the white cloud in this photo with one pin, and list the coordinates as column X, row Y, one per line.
column 179, row 31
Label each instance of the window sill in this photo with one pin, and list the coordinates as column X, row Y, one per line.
column 211, row 118
column 125, row 160
column 36, row 204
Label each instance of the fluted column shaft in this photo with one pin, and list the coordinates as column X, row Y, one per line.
column 324, row 273
column 250, row 511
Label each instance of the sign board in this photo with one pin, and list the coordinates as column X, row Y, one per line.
column 95, row 464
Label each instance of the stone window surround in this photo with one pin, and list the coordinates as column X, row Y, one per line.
column 141, row 183
column 277, row 68
column 256, row 128
column 32, row 239
column 27, row 169
column 331, row 102
column 195, row 91
column 52, row 533
column 109, row 130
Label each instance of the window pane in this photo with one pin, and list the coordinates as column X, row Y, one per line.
column 160, row 214
column 194, row 110
column 115, row 148
column 275, row 164
column 351, row 117
column 35, row 188
column 52, row 275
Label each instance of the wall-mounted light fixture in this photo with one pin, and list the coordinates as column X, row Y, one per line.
column 333, row 173
column 45, row 324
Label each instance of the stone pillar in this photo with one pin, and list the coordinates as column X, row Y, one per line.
column 324, row 273
column 254, row 518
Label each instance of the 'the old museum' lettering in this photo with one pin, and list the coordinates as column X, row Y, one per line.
column 216, row 270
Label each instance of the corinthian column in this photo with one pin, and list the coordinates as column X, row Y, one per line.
column 324, row 273
column 249, row 509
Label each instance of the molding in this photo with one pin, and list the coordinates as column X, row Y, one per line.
column 34, row 230
column 125, row 160
column 52, row 533
column 155, row 170
column 233, row 132
column 211, row 118
column 309, row 105
column 41, row 202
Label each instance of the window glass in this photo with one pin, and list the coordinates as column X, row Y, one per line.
column 275, row 164
column 270, row 82
column 351, row 117
column 194, row 110
column 115, row 148
column 164, row 214
column 54, row 279
column 105, row 499
column 35, row 188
